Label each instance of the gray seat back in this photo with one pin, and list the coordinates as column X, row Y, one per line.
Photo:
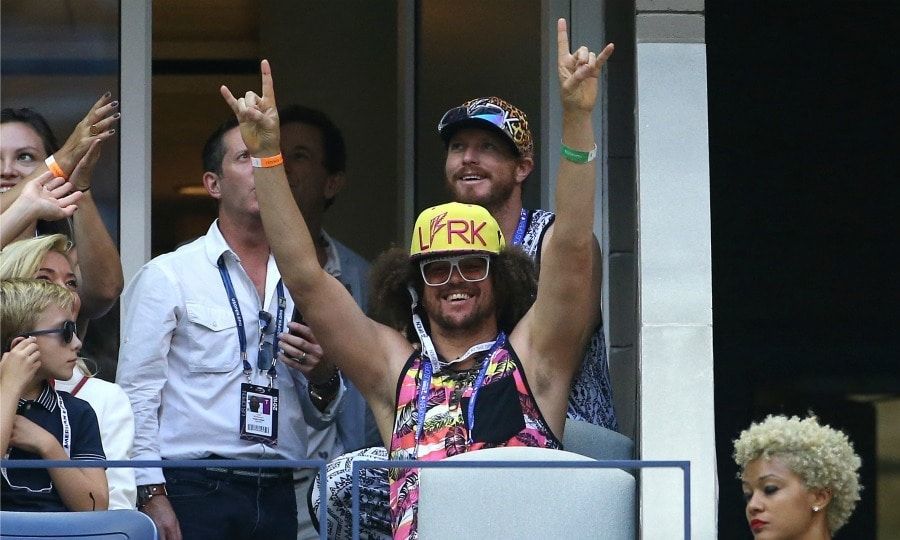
column 526, row 503
column 596, row 442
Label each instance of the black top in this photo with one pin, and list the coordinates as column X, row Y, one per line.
column 32, row 489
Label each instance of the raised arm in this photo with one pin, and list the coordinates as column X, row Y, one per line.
column 97, row 125
column 99, row 267
column 363, row 349
column 563, row 315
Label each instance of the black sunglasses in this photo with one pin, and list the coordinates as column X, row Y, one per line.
column 68, row 331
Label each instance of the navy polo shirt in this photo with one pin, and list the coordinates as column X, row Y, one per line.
column 31, row 489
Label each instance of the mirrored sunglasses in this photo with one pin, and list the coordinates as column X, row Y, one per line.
column 488, row 112
column 471, row 268
column 68, row 331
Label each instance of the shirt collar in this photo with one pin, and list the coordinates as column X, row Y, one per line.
column 216, row 244
column 47, row 399
column 332, row 258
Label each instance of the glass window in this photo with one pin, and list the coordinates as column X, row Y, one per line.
column 59, row 58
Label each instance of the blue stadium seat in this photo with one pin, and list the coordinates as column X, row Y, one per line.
column 526, row 503
column 108, row 525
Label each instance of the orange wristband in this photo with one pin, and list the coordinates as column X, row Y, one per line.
column 55, row 168
column 266, row 162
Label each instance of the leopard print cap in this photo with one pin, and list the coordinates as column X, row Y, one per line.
column 515, row 123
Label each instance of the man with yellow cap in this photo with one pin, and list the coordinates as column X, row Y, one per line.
column 481, row 375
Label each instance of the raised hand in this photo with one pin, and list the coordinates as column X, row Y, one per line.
column 84, row 171
column 43, row 197
column 97, row 125
column 258, row 116
column 50, row 198
column 579, row 71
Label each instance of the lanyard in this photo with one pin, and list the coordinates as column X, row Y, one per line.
column 239, row 321
column 425, row 387
column 520, row 228
column 424, row 338
column 67, row 428
column 500, row 341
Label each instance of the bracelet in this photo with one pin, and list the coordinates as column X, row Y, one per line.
column 55, row 168
column 148, row 491
column 266, row 162
column 577, row 156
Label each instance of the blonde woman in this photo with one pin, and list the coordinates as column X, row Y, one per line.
column 47, row 258
column 800, row 478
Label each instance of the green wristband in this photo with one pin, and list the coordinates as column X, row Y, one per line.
column 577, row 156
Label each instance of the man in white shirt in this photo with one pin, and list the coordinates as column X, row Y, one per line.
column 200, row 327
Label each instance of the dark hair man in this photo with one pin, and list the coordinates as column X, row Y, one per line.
column 200, row 339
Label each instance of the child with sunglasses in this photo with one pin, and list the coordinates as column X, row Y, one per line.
column 36, row 422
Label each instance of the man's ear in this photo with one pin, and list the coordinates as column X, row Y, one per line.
column 524, row 166
column 211, row 183
column 334, row 183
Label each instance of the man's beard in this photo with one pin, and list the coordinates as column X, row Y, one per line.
column 470, row 322
column 496, row 197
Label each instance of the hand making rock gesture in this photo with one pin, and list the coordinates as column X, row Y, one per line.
column 579, row 71
column 258, row 116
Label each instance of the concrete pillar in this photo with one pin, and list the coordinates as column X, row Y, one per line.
column 134, row 190
column 676, row 419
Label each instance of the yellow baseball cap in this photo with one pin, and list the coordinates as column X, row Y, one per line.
column 455, row 227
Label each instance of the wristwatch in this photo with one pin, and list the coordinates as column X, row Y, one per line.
column 148, row 491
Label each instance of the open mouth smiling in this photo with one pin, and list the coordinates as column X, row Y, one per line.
column 457, row 297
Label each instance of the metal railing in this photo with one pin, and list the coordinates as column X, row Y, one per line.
column 357, row 466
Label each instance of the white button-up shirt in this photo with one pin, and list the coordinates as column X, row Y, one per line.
column 180, row 364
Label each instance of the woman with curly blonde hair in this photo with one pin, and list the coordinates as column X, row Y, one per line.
column 800, row 478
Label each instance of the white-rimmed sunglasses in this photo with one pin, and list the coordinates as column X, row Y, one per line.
column 471, row 268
